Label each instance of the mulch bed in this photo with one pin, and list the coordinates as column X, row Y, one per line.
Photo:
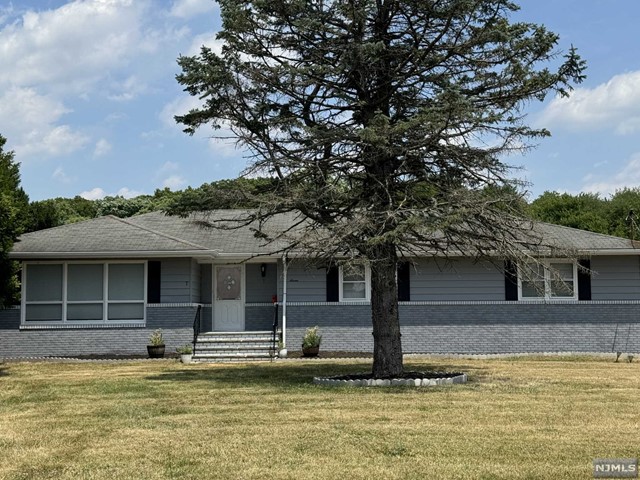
column 322, row 354
column 404, row 376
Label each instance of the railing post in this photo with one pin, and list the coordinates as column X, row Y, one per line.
column 196, row 328
column 274, row 327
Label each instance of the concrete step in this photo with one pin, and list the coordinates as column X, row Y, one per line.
column 246, row 333
column 233, row 340
column 231, row 356
column 236, row 347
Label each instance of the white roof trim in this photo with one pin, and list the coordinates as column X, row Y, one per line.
column 114, row 254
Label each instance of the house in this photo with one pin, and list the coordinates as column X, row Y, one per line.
column 103, row 285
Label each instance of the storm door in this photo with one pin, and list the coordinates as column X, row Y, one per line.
column 228, row 313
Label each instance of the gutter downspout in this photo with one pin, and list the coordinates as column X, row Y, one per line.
column 284, row 301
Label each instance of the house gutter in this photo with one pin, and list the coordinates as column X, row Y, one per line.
column 284, row 301
column 112, row 254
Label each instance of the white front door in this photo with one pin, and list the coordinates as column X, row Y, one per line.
column 228, row 311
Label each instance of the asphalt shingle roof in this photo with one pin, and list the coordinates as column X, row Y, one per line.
column 103, row 234
column 155, row 233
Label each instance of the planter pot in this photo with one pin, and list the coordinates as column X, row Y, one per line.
column 186, row 358
column 310, row 351
column 155, row 351
column 282, row 353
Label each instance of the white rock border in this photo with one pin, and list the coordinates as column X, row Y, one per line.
column 394, row 382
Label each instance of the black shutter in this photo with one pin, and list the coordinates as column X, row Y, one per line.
column 153, row 282
column 404, row 282
column 510, row 281
column 333, row 289
column 584, row 280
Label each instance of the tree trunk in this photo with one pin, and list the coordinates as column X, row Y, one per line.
column 387, row 347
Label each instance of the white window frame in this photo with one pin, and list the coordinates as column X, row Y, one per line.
column 65, row 301
column 548, row 278
column 367, row 286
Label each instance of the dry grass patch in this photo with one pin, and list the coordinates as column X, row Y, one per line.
column 516, row 418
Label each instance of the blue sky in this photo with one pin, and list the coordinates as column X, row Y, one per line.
column 88, row 94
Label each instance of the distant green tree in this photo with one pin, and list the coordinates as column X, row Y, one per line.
column 13, row 207
column 43, row 214
column 586, row 211
column 222, row 194
column 124, row 207
column 59, row 211
column 77, row 209
column 620, row 222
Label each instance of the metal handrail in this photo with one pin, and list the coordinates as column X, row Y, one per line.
column 196, row 328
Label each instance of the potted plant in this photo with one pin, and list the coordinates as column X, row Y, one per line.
column 311, row 342
column 156, row 344
column 186, row 353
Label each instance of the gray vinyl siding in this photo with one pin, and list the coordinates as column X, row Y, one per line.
column 615, row 278
column 206, row 284
column 261, row 289
column 175, row 280
column 305, row 283
column 195, row 281
column 442, row 280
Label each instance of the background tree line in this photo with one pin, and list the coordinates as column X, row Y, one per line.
column 615, row 215
column 585, row 211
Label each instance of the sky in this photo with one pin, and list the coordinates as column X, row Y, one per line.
column 88, row 94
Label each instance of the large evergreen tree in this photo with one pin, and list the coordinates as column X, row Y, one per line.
column 13, row 206
column 382, row 121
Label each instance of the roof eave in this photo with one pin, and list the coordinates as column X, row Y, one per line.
column 611, row 251
column 112, row 254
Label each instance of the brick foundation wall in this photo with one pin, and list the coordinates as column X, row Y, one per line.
column 258, row 317
column 175, row 322
column 455, row 327
column 468, row 327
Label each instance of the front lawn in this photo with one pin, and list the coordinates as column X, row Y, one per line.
column 516, row 418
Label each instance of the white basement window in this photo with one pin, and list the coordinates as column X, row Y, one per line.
column 355, row 283
column 83, row 292
column 548, row 280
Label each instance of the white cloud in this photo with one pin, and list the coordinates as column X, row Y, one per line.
column 63, row 53
column 611, row 105
column 61, row 140
column 207, row 39
column 131, row 88
column 72, row 46
column 98, row 193
column 224, row 144
column 168, row 167
column 629, row 176
column 60, row 175
column 6, row 12
column 128, row 193
column 102, row 148
column 93, row 194
column 174, row 182
column 178, row 106
column 28, row 117
column 190, row 8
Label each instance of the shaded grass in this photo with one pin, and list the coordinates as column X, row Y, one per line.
column 516, row 418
